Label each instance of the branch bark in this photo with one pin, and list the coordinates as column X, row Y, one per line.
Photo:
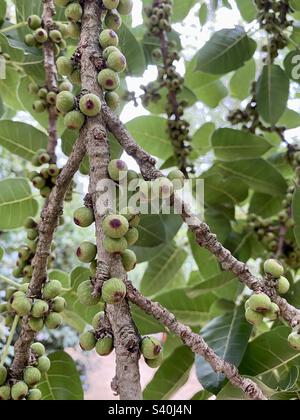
column 203, row 235
column 126, row 339
column 51, row 77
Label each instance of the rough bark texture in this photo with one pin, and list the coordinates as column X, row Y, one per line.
column 195, row 342
column 51, row 77
column 203, row 235
column 126, row 339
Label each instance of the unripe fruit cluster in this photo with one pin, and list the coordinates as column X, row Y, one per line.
column 100, row 338
column 152, row 351
column 260, row 307
column 44, row 97
column 25, row 389
column 46, row 178
column 274, row 272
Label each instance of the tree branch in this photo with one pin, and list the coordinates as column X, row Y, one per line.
column 51, row 77
column 126, row 339
column 204, row 237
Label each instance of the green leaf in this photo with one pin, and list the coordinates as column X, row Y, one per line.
column 76, row 314
column 3, row 7
column 61, row 276
column 213, row 283
column 135, row 58
column 227, row 50
column 203, row 14
column 22, row 139
column 162, row 270
column 62, row 382
column 290, row 119
column 193, row 312
column 146, row 324
column 1, row 253
column 201, row 141
column 202, row 396
column 24, row 9
column 241, row 81
column 171, row 376
column 151, row 133
column 268, row 353
column 228, row 191
column 265, row 205
column 16, row 54
column 247, row 9
column 296, row 215
column 272, row 93
column 228, row 336
column 16, row 203
column 230, row 144
column 259, row 174
column 8, row 88
column 181, row 9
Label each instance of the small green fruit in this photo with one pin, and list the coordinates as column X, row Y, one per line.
column 53, row 170
column 4, row 393
column 132, row 236
column 104, row 346
column 117, row 170
column 22, row 306
column 41, row 35
column 111, row 4
column 19, row 391
column 35, row 324
column 115, row 246
column 108, row 79
column 294, row 341
column 114, row 291
column 260, row 303
column 30, row 40
column 39, row 106
column 87, row 252
column 132, row 215
column 90, row 105
column 155, row 363
column 61, row 3
column 64, row 66
column 178, row 179
column 274, row 313
column 253, row 317
column 42, row 93
column 9, row 292
column 113, row 20
column 115, row 226
column 65, row 102
column 65, row 86
column 32, row 376
column 43, row 155
column 163, row 187
column 109, row 50
column 74, row 120
column 85, row 293
column 39, row 309
column 98, row 319
column 151, row 348
column 129, row 260
column 52, row 289
column 108, row 38
column 117, row 62
column 34, row 22
column 24, row 253
column 283, row 285
column 45, row 192
column 32, row 234
column 75, row 77
column 87, row 341
column 59, row 304
column 274, row 268
column 34, row 395
column 28, row 271
column 3, row 375
column 125, row 7
column 73, row 30
column 55, row 36
column 53, row 321
column 113, row 100
column 43, row 364
column 30, row 223
column 38, row 349
column 39, row 183
column 73, row 12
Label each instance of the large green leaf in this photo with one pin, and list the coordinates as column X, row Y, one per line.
column 135, row 58
column 212, row 284
column 265, row 205
column 146, row 324
column 247, row 9
column 9, row 88
column 3, row 7
column 228, row 336
column 229, row 144
column 16, row 54
column 162, row 269
column 272, row 93
column 259, row 174
column 22, row 139
column 227, row 50
column 241, row 81
column 16, row 203
column 151, row 133
column 296, row 215
column 76, row 314
column 62, row 382
column 171, row 376
column 269, row 354
column 201, row 141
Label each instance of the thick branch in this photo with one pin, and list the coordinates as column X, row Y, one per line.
column 195, row 342
column 204, row 237
column 51, row 77
column 126, row 339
